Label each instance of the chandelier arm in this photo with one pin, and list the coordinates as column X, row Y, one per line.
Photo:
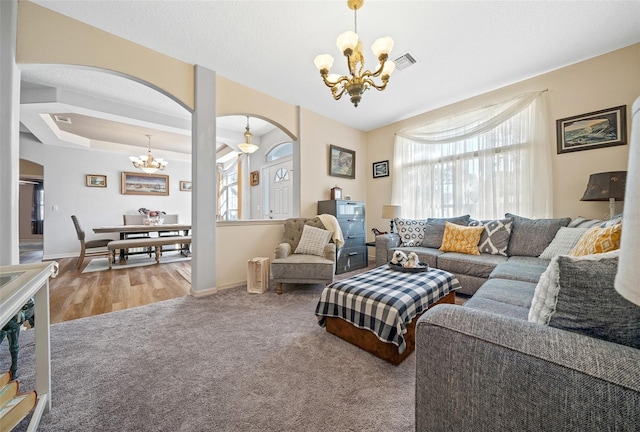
column 336, row 95
column 328, row 83
column 370, row 82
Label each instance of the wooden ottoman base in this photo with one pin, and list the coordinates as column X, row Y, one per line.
column 368, row 341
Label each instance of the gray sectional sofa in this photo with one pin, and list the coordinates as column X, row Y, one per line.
column 486, row 366
column 526, row 241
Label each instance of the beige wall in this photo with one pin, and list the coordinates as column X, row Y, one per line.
column 317, row 134
column 75, row 43
column 602, row 82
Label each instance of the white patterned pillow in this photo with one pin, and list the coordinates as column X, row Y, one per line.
column 313, row 241
column 411, row 231
column 495, row 237
column 563, row 242
column 613, row 221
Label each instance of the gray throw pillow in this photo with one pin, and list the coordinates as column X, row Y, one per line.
column 495, row 237
column 530, row 237
column 588, row 303
column 411, row 231
column 434, row 229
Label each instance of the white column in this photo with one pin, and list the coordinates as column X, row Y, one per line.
column 9, row 134
column 204, row 196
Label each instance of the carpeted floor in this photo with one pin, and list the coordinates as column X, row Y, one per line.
column 229, row 362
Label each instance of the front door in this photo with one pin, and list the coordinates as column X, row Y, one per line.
column 280, row 192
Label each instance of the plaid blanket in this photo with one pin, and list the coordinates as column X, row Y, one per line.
column 384, row 300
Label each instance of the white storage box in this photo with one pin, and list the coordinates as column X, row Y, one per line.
column 258, row 275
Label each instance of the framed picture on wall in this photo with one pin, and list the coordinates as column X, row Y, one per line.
column 254, row 178
column 185, row 186
column 96, row 180
column 342, row 162
column 598, row 129
column 144, row 184
column 381, row 169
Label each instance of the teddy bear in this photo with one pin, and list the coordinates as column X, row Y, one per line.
column 399, row 258
column 412, row 261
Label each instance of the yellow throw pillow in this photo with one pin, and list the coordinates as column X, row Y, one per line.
column 598, row 240
column 463, row 239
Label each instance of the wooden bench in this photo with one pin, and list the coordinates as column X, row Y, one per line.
column 145, row 242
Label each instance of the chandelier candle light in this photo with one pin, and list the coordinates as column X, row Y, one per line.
column 360, row 80
column 147, row 163
column 247, row 146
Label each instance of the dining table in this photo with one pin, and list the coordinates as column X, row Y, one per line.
column 123, row 230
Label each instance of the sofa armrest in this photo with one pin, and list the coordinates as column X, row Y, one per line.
column 283, row 250
column 492, row 372
column 330, row 252
column 385, row 243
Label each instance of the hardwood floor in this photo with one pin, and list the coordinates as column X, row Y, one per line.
column 76, row 295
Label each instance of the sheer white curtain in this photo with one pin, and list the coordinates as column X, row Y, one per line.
column 486, row 162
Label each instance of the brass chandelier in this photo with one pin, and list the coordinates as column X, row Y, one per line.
column 351, row 47
column 147, row 163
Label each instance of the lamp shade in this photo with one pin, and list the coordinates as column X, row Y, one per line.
column 323, row 61
column 347, row 40
column 391, row 211
column 629, row 265
column 605, row 185
column 381, row 46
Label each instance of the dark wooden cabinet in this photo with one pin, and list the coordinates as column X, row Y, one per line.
column 350, row 214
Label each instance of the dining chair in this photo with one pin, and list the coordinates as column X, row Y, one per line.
column 89, row 248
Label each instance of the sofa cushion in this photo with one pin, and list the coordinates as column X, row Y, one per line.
column 518, row 268
column 587, row 302
column 474, row 265
column 463, row 239
column 313, row 241
column 598, row 240
column 563, row 242
column 411, row 231
column 495, row 238
column 434, row 230
column 496, row 307
column 530, row 237
column 516, row 293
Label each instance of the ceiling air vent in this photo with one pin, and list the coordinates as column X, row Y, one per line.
column 404, row 61
column 62, row 119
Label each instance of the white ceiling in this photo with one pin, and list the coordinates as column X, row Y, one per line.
column 464, row 48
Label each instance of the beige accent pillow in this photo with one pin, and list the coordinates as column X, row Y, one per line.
column 313, row 241
column 463, row 239
column 598, row 240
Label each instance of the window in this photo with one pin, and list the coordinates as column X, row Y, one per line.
column 280, row 151
column 228, row 197
column 483, row 163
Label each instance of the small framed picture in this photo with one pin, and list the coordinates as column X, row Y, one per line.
column 185, row 185
column 96, row 180
column 254, row 178
column 598, row 129
column 342, row 162
column 381, row 169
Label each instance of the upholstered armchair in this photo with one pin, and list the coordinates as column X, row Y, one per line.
column 289, row 267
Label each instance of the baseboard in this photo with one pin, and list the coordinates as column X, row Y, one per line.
column 214, row 290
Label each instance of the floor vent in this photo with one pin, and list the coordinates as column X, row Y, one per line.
column 404, row 61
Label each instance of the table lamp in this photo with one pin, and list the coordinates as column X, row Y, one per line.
column 606, row 186
column 628, row 269
column 391, row 212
